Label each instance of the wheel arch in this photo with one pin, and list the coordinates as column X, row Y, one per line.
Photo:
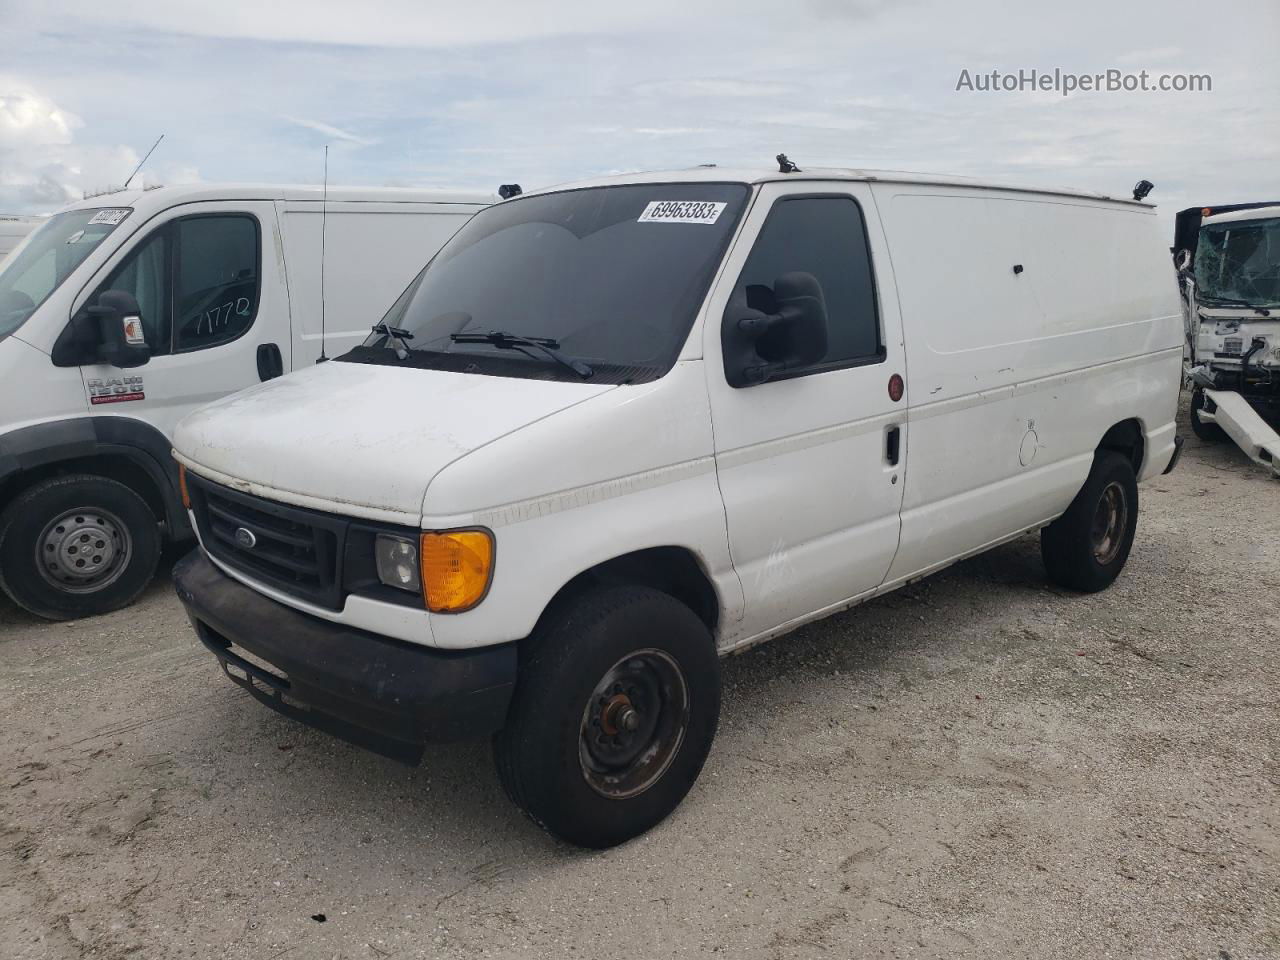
column 673, row 570
column 1127, row 438
column 129, row 451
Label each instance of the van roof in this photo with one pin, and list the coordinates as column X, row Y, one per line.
column 156, row 198
column 1231, row 216
column 754, row 175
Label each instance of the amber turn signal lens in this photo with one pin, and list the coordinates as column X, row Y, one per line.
column 182, row 486
column 457, row 566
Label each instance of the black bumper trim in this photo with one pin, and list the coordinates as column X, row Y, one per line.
column 384, row 695
column 1177, row 454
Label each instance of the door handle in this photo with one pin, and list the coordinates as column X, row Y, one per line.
column 270, row 361
column 892, row 445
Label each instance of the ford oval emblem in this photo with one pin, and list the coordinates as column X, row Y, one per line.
column 245, row 538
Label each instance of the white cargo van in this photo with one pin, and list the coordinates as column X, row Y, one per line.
column 124, row 312
column 617, row 428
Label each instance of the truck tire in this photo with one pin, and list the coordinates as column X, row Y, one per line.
column 1086, row 548
column 613, row 715
column 77, row 545
column 1208, row 432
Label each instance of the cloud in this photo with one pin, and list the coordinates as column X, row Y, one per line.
column 1147, row 57
column 491, row 91
column 42, row 166
column 333, row 133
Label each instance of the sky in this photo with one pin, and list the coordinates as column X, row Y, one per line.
column 421, row 93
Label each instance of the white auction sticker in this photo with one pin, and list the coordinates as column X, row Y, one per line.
column 112, row 217
column 682, row 211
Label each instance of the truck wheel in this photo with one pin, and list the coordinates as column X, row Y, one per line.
column 613, row 714
column 77, row 545
column 1086, row 548
column 1208, row 432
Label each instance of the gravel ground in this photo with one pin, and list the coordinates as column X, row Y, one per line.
column 976, row 766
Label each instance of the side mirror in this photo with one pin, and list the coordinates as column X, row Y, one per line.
column 760, row 346
column 1182, row 260
column 121, row 339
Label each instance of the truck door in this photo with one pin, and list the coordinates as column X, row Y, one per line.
column 215, row 311
column 811, row 463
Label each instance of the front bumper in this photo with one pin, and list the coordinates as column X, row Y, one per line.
column 381, row 694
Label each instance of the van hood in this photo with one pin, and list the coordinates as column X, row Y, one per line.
column 358, row 439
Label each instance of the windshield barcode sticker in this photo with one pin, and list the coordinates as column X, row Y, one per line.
column 112, row 217
column 681, row 211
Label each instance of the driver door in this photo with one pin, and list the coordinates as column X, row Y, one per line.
column 214, row 309
column 811, row 463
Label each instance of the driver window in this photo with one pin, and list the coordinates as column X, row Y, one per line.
column 143, row 274
column 216, row 280
column 824, row 236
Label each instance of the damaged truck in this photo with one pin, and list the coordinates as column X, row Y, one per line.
column 1228, row 261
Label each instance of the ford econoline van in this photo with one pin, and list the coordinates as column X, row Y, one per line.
column 124, row 312
column 617, row 429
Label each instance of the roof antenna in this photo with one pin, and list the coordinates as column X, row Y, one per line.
column 141, row 162
column 324, row 216
column 785, row 165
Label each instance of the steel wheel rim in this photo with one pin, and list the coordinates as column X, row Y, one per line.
column 83, row 550
column 1110, row 520
column 633, row 724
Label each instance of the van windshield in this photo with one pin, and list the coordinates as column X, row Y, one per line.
column 611, row 277
column 1238, row 263
column 47, row 257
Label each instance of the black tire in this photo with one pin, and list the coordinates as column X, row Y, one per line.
column 1208, row 432
column 557, row 774
column 1086, row 548
column 99, row 524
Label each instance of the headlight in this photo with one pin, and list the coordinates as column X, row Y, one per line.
column 457, row 567
column 397, row 561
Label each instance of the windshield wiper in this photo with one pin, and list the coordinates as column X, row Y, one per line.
column 510, row 341
column 395, row 333
column 1225, row 301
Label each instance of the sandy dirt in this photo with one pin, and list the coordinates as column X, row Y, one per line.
column 977, row 766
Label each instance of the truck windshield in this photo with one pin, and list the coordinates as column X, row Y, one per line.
column 1238, row 263
column 47, row 257
column 610, row 277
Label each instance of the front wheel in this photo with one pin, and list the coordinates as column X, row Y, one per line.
column 1208, row 432
column 77, row 545
column 614, row 712
column 1086, row 548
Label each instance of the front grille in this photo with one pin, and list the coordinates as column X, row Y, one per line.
column 294, row 550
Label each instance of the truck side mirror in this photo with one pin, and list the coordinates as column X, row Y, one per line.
column 761, row 346
column 121, row 339
column 1182, row 260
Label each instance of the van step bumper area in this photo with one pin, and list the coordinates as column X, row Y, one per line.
column 381, row 694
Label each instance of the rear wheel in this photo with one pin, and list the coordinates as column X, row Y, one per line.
column 1208, row 432
column 1086, row 548
column 613, row 715
column 77, row 545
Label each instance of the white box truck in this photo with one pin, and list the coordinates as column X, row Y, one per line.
column 1229, row 263
column 122, row 313
column 645, row 421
